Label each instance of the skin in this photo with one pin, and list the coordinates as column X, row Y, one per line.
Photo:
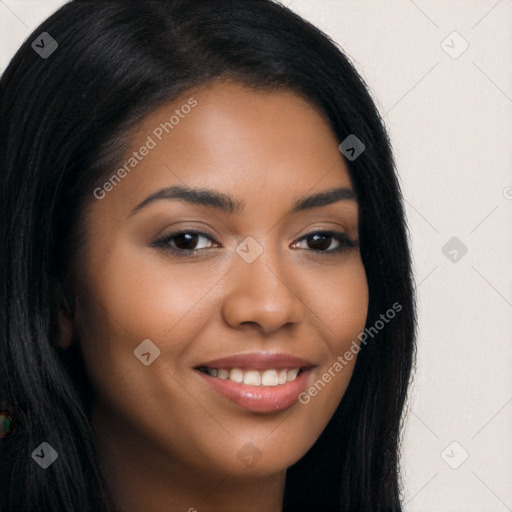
column 166, row 439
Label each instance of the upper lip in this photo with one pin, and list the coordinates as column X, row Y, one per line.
column 258, row 361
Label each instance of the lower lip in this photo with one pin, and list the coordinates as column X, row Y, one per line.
column 260, row 398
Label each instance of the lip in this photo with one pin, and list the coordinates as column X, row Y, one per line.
column 259, row 361
column 260, row 398
column 265, row 399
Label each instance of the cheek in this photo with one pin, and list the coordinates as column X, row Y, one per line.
column 127, row 297
column 341, row 312
column 350, row 306
column 340, row 299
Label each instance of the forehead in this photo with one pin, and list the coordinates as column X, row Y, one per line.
column 252, row 144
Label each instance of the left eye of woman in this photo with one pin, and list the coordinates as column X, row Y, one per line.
column 324, row 239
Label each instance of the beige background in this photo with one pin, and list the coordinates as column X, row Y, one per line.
column 449, row 115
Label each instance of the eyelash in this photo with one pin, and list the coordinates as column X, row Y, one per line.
column 345, row 242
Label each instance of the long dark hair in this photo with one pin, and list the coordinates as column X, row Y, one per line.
column 64, row 121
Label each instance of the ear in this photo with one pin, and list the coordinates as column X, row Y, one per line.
column 65, row 329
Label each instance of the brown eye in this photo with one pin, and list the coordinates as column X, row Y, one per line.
column 183, row 242
column 321, row 242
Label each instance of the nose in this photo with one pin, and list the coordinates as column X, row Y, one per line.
column 261, row 293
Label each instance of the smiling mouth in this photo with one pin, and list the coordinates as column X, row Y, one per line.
column 251, row 377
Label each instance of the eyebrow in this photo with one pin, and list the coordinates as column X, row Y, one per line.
column 225, row 203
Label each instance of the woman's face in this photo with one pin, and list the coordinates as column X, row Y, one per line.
column 260, row 284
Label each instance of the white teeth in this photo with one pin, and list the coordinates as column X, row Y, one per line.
column 291, row 374
column 269, row 377
column 253, row 378
column 222, row 374
column 236, row 375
